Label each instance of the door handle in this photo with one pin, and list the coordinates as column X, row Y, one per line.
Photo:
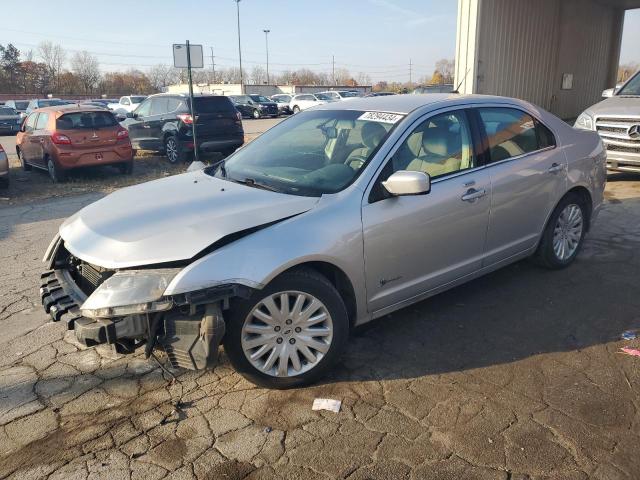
column 555, row 167
column 146, row 126
column 472, row 195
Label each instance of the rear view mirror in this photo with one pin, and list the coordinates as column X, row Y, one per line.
column 405, row 182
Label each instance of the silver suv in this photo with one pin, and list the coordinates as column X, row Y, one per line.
column 332, row 218
column 617, row 121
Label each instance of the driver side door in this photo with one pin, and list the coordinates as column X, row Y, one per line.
column 414, row 245
column 139, row 129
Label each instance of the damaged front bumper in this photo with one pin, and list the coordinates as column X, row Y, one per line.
column 190, row 332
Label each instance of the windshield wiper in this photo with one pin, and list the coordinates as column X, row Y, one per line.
column 251, row 182
column 219, row 165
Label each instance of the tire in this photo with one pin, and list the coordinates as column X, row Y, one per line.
column 57, row 174
column 296, row 109
column 25, row 166
column 126, row 168
column 4, row 183
column 173, row 150
column 255, row 114
column 311, row 286
column 563, row 236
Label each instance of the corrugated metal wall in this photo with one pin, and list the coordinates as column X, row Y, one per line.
column 517, row 48
column 522, row 48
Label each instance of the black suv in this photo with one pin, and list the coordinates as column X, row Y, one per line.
column 162, row 123
column 255, row 106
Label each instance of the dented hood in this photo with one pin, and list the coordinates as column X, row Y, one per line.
column 171, row 219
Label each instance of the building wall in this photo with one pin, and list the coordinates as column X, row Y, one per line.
column 522, row 49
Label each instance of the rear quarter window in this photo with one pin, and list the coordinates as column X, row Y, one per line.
column 69, row 121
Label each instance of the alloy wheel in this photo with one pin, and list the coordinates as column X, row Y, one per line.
column 287, row 333
column 567, row 232
column 172, row 150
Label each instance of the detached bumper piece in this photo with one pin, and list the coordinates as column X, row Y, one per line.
column 58, row 299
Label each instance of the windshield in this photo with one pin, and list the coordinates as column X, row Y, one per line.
column 137, row 99
column 259, row 98
column 632, row 88
column 22, row 105
column 7, row 111
column 311, row 153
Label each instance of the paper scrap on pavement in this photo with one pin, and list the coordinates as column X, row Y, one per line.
column 326, row 404
column 634, row 352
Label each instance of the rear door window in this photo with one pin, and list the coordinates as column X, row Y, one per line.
column 30, row 124
column 43, row 119
column 173, row 104
column 89, row 120
column 159, row 105
column 510, row 132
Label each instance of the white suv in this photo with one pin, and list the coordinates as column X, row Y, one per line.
column 304, row 101
column 337, row 95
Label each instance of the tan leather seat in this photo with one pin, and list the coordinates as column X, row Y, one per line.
column 372, row 134
column 441, row 152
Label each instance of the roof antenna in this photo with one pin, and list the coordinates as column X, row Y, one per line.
column 457, row 89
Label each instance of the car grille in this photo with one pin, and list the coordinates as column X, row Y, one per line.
column 614, row 132
column 86, row 276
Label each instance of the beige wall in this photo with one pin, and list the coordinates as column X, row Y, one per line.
column 522, row 48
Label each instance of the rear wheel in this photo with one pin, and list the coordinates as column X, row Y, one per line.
column 296, row 109
column 55, row 172
column 25, row 166
column 564, row 234
column 174, row 151
column 288, row 334
column 126, row 168
column 255, row 114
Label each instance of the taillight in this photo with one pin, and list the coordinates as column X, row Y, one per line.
column 122, row 133
column 60, row 139
column 186, row 118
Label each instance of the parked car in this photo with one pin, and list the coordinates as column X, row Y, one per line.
column 338, row 95
column 4, row 168
column 19, row 106
column 254, row 106
column 163, row 123
column 9, row 120
column 617, row 121
column 268, row 107
column 325, row 98
column 101, row 102
column 443, row 88
column 304, row 101
column 330, row 219
column 61, row 138
column 283, row 103
column 45, row 102
column 379, row 94
column 127, row 103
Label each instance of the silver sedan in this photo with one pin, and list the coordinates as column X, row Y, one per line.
column 334, row 217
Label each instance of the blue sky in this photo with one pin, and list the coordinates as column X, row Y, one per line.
column 377, row 37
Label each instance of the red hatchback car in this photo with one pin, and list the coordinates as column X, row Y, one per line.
column 58, row 139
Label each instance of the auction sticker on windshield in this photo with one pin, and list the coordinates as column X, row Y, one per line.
column 381, row 117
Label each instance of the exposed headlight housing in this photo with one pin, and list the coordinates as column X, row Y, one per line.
column 130, row 292
column 584, row 121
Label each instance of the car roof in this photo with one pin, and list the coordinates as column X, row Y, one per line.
column 409, row 102
column 74, row 107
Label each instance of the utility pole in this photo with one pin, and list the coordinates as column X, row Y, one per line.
column 333, row 68
column 266, row 40
column 213, row 66
column 239, row 47
column 410, row 72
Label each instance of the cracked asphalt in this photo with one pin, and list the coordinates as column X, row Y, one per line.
column 514, row 376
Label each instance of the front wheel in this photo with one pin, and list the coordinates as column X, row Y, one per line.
column 288, row 334
column 296, row 109
column 256, row 114
column 564, row 234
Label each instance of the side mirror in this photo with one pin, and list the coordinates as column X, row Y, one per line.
column 405, row 182
column 608, row 93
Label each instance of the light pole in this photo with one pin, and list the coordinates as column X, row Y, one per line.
column 266, row 40
column 239, row 48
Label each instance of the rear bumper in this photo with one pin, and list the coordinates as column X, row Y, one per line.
column 71, row 159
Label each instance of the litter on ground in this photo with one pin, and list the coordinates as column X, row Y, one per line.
column 326, row 404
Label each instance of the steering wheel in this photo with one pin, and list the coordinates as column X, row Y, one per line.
column 356, row 162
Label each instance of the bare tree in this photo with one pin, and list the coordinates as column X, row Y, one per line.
column 446, row 68
column 258, row 75
column 53, row 56
column 85, row 66
column 363, row 78
column 162, row 76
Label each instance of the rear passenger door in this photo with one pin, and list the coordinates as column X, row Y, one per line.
column 138, row 126
column 155, row 121
column 528, row 177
